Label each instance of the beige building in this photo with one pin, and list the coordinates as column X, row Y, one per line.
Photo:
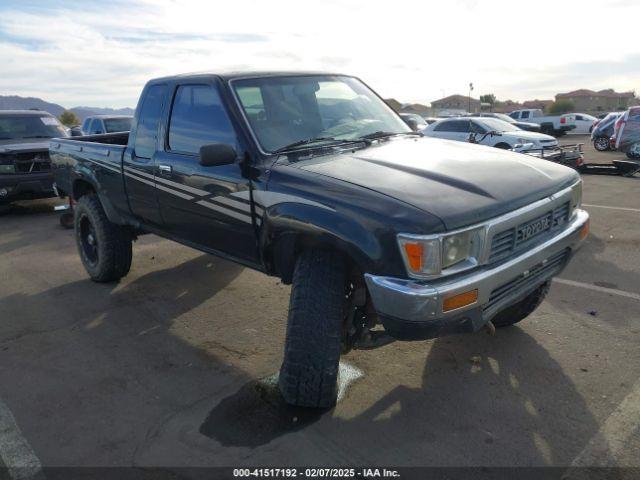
column 456, row 103
column 589, row 101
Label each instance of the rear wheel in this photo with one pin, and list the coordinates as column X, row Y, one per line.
column 521, row 310
column 104, row 247
column 601, row 144
column 309, row 372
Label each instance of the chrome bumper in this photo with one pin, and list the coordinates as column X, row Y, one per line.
column 415, row 302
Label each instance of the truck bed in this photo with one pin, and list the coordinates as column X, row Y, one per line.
column 98, row 156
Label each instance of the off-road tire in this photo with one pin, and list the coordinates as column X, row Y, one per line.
column 309, row 372
column 521, row 310
column 113, row 242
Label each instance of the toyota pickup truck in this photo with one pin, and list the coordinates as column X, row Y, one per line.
column 313, row 179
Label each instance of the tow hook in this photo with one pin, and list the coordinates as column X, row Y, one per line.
column 490, row 328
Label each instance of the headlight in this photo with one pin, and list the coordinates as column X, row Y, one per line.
column 576, row 195
column 430, row 256
column 455, row 249
column 527, row 140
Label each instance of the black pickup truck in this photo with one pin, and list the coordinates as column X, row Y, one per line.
column 314, row 179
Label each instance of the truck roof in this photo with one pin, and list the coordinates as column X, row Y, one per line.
column 106, row 115
column 233, row 74
column 33, row 113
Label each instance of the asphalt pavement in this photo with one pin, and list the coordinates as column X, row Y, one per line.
column 174, row 365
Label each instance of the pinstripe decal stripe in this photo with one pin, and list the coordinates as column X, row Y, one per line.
column 231, row 213
column 181, row 186
column 239, row 203
column 233, row 203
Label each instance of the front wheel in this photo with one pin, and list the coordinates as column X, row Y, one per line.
column 104, row 247
column 309, row 372
column 601, row 144
column 521, row 310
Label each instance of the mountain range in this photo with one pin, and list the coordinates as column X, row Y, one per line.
column 14, row 102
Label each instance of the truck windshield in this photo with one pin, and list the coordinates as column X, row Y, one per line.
column 286, row 110
column 16, row 127
column 117, row 125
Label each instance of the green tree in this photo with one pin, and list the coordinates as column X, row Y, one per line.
column 69, row 118
column 489, row 98
column 561, row 106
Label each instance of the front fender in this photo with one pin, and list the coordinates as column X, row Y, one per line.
column 289, row 227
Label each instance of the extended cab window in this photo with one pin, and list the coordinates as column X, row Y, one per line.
column 524, row 114
column 147, row 131
column 198, row 118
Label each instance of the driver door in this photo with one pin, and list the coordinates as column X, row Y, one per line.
column 207, row 206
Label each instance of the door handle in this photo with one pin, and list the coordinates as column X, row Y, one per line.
column 165, row 169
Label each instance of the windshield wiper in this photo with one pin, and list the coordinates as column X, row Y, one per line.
column 384, row 134
column 308, row 141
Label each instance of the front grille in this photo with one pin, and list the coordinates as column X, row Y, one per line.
column 29, row 162
column 516, row 238
column 527, row 280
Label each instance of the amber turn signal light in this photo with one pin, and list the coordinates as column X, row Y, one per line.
column 415, row 253
column 584, row 231
column 460, row 300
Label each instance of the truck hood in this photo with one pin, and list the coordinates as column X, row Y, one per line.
column 26, row 145
column 460, row 183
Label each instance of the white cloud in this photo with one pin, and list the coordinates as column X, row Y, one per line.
column 415, row 52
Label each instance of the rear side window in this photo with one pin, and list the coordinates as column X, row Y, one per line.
column 147, row 131
column 96, row 126
column 198, row 118
column 453, row 126
column 524, row 114
column 444, row 127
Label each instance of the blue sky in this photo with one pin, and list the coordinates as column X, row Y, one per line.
column 102, row 54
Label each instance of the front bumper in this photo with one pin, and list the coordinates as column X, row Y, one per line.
column 413, row 310
column 26, row 186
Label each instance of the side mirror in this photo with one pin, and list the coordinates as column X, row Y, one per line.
column 412, row 124
column 217, row 154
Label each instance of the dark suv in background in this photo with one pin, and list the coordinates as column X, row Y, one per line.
column 25, row 168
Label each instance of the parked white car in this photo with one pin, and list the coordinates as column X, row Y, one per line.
column 556, row 125
column 583, row 122
column 506, row 135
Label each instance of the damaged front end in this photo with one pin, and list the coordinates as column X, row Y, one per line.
column 25, row 175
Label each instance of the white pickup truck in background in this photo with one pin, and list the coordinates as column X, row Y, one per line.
column 556, row 125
